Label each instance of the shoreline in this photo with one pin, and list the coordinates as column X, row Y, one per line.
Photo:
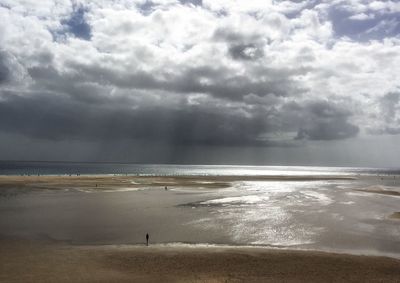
column 32, row 261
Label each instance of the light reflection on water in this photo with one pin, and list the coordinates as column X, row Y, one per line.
column 263, row 212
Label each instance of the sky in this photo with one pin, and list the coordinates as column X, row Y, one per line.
column 191, row 81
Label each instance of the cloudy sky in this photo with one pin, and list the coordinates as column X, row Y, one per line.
column 213, row 81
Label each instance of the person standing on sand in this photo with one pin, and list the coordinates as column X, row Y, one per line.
column 147, row 239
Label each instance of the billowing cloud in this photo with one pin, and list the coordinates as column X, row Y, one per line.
column 238, row 73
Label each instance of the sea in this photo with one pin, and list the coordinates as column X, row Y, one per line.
column 92, row 168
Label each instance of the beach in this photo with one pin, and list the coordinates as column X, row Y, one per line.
column 231, row 228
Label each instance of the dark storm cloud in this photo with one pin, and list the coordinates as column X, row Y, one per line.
column 77, row 24
column 321, row 120
column 328, row 130
column 61, row 117
column 58, row 117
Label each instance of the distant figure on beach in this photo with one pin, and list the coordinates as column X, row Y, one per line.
column 147, row 239
column 165, row 188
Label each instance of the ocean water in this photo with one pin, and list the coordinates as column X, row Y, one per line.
column 60, row 168
column 319, row 214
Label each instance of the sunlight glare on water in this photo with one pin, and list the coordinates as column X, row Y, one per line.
column 263, row 212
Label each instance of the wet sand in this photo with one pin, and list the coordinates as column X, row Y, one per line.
column 101, row 182
column 28, row 261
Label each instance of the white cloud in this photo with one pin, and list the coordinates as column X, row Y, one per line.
column 362, row 17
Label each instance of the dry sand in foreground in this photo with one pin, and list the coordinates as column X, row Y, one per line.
column 23, row 261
